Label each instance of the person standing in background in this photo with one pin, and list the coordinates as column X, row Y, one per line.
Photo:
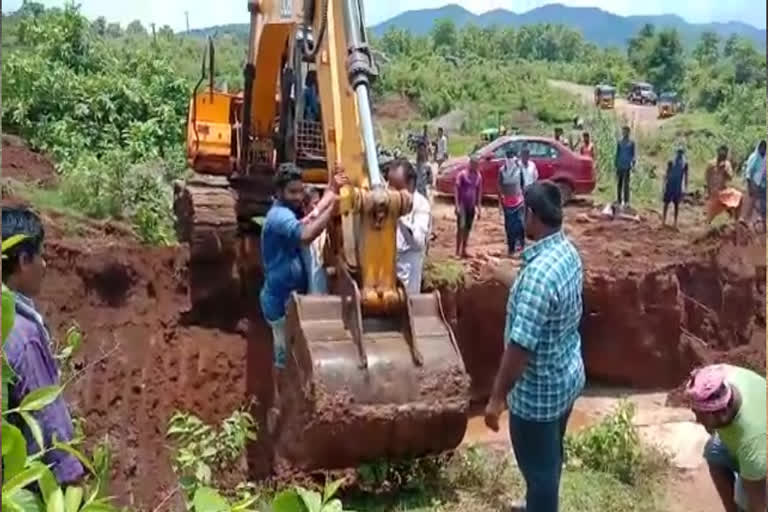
column 441, row 153
column 721, row 197
column 587, row 147
column 424, row 174
column 624, row 163
column 468, row 194
column 676, row 177
column 559, row 135
column 754, row 176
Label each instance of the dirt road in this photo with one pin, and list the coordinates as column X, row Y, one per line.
column 639, row 117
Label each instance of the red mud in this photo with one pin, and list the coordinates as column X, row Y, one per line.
column 22, row 164
column 651, row 297
column 656, row 302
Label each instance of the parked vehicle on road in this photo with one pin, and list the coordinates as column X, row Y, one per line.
column 642, row 93
column 574, row 174
column 669, row 105
column 605, row 95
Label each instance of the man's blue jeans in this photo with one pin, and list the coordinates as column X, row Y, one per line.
column 538, row 449
column 514, row 225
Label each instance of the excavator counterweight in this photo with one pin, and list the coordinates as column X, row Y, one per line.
column 372, row 371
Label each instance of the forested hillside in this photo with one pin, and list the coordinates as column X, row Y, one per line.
column 109, row 103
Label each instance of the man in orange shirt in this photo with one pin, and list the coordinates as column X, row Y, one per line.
column 587, row 147
column 721, row 197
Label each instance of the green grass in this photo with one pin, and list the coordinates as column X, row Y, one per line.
column 484, row 480
column 443, row 274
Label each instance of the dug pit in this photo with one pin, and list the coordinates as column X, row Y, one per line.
column 656, row 304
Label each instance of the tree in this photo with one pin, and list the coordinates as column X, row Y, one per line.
column 166, row 32
column 707, row 50
column 99, row 26
column 135, row 28
column 730, row 45
column 666, row 64
column 639, row 47
column 748, row 64
column 444, row 34
column 114, row 30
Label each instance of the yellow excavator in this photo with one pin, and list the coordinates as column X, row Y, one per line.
column 373, row 372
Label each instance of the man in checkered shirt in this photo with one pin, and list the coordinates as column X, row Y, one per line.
column 542, row 371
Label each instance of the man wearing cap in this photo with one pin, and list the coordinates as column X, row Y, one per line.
column 28, row 347
column 541, row 372
column 730, row 403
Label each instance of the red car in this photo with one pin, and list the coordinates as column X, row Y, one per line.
column 574, row 174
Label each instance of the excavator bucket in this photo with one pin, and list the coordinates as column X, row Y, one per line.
column 397, row 390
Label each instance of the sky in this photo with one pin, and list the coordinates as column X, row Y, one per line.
column 204, row 13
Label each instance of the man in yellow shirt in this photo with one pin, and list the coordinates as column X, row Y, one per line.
column 730, row 403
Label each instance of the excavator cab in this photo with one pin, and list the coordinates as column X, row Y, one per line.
column 372, row 371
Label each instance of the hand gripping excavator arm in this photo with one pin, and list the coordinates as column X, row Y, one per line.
column 372, row 372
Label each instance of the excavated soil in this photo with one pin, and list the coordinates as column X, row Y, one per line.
column 22, row 164
column 657, row 303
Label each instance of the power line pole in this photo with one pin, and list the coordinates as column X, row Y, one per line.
column 186, row 15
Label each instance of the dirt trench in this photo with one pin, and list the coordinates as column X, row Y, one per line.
column 644, row 329
column 652, row 311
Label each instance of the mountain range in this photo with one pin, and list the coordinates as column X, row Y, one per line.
column 598, row 26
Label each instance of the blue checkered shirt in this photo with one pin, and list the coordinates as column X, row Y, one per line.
column 543, row 314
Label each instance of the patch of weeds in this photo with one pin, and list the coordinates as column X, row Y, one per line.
column 586, row 490
column 442, row 274
column 202, row 451
column 613, row 447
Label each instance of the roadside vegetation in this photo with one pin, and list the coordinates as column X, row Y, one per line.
column 109, row 103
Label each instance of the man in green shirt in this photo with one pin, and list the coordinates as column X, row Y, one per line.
column 730, row 403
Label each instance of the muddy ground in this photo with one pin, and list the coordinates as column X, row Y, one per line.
column 657, row 303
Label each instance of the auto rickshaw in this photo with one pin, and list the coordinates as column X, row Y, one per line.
column 669, row 105
column 605, row 96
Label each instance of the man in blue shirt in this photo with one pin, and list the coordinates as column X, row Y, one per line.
column 284, row 250
column 542, row 371
column 625, row 162
column 28, row 347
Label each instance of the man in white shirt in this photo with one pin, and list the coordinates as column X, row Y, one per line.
column 412, row 228
column 441, row 155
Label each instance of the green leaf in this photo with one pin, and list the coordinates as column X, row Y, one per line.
column 75, row 453
column 331, row 489
column 40, row 398
column 23, row 479
column 56, row 501
column 243, row 505
column 48, row 485
column 25, row 501
column 288, row 501
column 8, row 313
column 333, row 506
column 208, row 500
column 73, row 498
column 98, row 507
column 312, row 500
column 34, row 427
column 14, row 448
column 203, row 473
